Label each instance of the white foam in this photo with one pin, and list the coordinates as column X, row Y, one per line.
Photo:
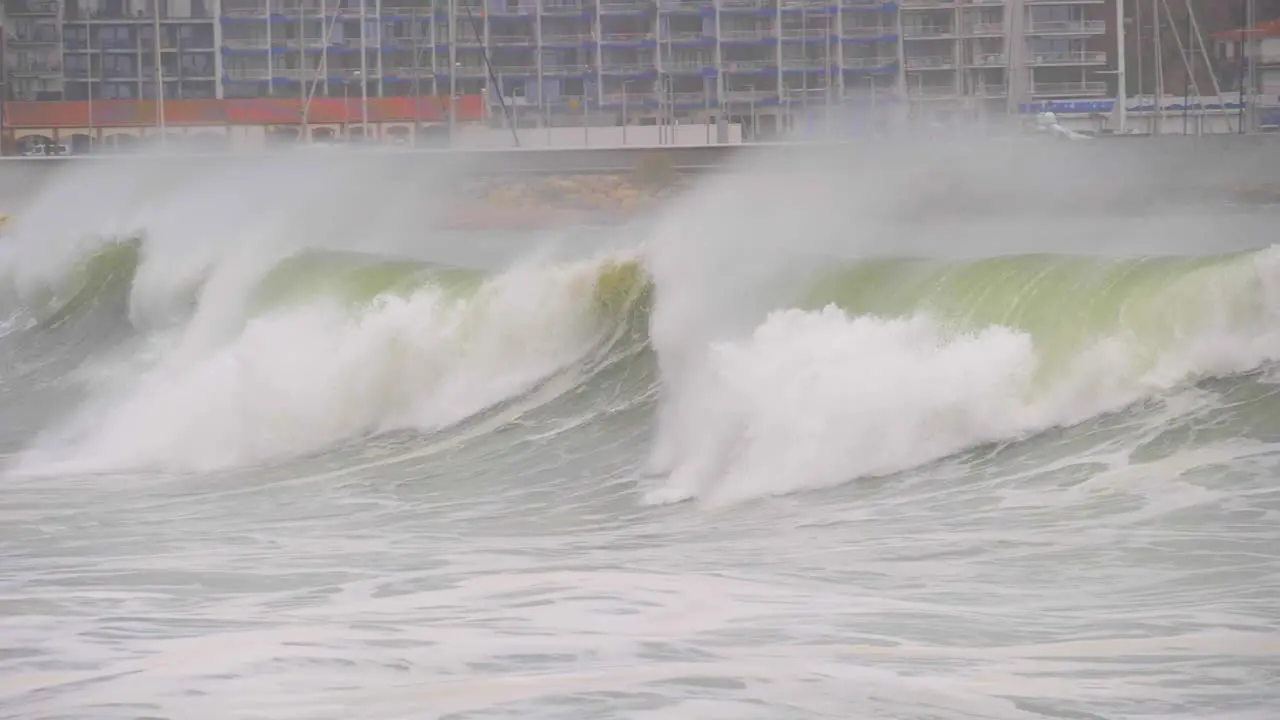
column 306, row 377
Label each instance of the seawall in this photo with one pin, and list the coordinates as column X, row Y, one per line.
column 1000, row 175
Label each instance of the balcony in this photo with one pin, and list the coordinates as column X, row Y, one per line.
column 687, row 38
column 469, row 70
column 246, row 43
column 990, row 60
column 746, row 36
column 749, row 96
column 867, row 5
column 35, row 69
column 819, row 34
column 515, row 70
column 245, row 74
column 566, row 39
column 634, row 38
column 686, row 67
column 936, row 62
column 41, row 34
column 422, row 12
column 628, row 69
column 1067, row 27
column 926, row 32
column 936, row 92
column 868, row 63
column 805, row 64
column 686, row 6
column 521, row 7
column 982, row 29
column 630, row 99
column 626, row 7
column 562, row 7
column 798, row 96
column 690, row 98
column 991, row 91
column 512, row 40
column 1079, row 57
column 918, row 4
column 749, row 66
column 33, row 7
column 813, row 7
column 566, row 70
column 402, row 71
column 1069, row 89
column 245, row 11
column 746, row 6
column 867, row 33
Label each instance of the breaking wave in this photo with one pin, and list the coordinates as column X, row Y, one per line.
column 865, row 368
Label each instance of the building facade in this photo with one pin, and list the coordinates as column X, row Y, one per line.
column 767, row 64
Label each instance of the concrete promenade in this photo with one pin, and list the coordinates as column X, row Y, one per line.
column 996, row 171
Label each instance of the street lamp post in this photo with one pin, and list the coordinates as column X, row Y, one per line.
column 625, row 120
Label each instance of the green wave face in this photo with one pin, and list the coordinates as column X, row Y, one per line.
column 354, row 280
column 107, row 272
column 1066, row 304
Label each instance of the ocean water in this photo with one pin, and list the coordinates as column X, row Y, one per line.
column 274, row 448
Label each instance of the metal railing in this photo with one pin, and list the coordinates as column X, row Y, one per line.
column 931, row 91
column 631, row 98
column 566, row 38
column 35, row 7
column 747, row 96
column 512, row 40
column 868, row 62
column 240, row 73
column 935, row 61
column 1067, row 27
column 927, row 31
column 246, row 43
column 687, row 37
column 1086, row 87
column 686, row 65
column 686, row 5
column 33, row 68
column 806, row 33
column 626, row 68
column 627, row 37
column 625, row 6
column 986, row 28
column 1077, row 57
column 748, row 65
column 857, row 31
column 816, row 95
column 522, row 7
column 244, row 11
column 561, row 7
column 804, row 63
column 575, row 69
column 991, row 59
column 746, row 35
column 515, row 70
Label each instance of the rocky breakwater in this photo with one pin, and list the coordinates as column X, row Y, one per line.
column 527, row 201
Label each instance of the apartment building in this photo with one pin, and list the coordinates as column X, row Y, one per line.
column 106, row 49
column 766, row 63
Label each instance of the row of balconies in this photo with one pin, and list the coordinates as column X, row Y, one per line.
column 143, row 73
column 587, row 38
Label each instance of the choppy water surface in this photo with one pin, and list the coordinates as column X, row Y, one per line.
column 764, row 456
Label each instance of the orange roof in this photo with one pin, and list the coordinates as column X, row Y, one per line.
column 256, row 111
column 1270, row 28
